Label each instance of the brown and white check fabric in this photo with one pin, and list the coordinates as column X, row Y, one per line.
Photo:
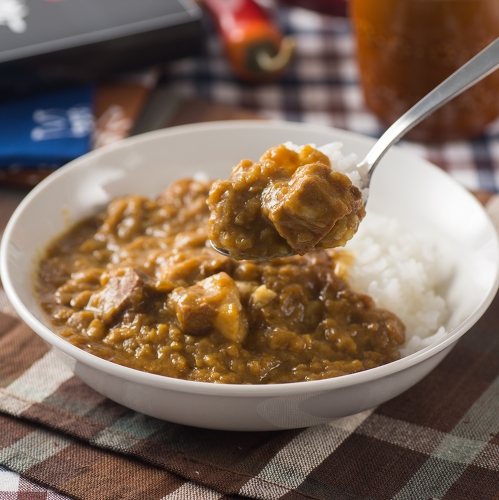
column 439, row 440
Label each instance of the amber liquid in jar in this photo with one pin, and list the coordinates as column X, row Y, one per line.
column 406, row 48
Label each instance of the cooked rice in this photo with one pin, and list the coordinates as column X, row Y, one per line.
column 401, row 271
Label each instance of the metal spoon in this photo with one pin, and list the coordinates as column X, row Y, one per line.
column 477, row 68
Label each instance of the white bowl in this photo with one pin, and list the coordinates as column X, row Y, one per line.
column 418, row 194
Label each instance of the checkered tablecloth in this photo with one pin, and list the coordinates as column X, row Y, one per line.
column 458, row 459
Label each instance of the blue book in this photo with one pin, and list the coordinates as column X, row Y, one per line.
column 46, row 130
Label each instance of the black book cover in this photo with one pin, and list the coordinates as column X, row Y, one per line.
column 43, row 42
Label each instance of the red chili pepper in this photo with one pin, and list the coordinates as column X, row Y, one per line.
column 254, row 45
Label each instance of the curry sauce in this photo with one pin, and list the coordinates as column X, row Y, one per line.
column 139, row 285
column 287, row 202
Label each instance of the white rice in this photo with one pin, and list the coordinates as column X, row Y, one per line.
column 400, row 270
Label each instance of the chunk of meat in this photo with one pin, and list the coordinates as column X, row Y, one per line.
column 123, row 288
column 211, row 303
column 306, row 208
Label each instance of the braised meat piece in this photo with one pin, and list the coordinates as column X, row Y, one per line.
column 211, row 303
column 306, row 208
column 123, row 288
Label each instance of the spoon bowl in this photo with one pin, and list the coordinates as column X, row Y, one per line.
column 226, row 253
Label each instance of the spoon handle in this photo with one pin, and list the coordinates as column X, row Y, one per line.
column 484, row 63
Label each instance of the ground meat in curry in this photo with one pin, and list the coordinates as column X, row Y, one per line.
column 140, row 286
column 287, row 202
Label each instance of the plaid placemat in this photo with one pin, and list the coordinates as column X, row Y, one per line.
column 14, row 487
column 437, row 440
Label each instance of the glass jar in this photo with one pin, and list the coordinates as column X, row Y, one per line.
column 405, row 48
